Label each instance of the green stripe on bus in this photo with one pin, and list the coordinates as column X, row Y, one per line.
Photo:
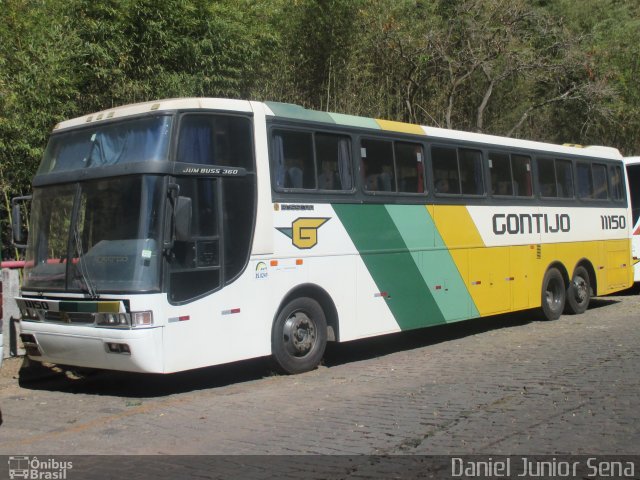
column 353, row 121
column 391, row 264
column 437, row 267
column 290, row 110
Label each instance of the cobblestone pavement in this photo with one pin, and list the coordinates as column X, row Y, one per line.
column 502, row 385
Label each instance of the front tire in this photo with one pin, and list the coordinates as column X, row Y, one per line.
column 579, row 292
column 299, row 336
column 553, row 294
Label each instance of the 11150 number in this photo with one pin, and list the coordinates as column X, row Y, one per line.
column 613, row 222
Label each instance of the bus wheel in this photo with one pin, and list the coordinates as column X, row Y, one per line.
column 579, row 292
column 299, row 336
column 553, row 294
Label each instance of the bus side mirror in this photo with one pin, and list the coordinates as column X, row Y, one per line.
column 183, row 219
column 19, row 230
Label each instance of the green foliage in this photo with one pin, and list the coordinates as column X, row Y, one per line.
column 560, row 71
column 36, row 91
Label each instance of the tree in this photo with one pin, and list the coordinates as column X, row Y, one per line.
column 310, row 55
column 36, row 92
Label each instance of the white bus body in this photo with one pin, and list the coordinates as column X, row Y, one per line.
column 139, row 262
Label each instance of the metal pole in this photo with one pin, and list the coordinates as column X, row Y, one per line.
column 10, row 313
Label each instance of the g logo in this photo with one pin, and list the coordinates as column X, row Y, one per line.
column 304, row 232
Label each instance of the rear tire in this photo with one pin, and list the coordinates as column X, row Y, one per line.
column 553, row 294
column 299, row 336
column 578, row 292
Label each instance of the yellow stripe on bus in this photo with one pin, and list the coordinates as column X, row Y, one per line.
column 400, row 127
column 498, row 278
column 502, row 279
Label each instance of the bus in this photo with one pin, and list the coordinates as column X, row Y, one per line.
column 184, row 233
column 633, row 174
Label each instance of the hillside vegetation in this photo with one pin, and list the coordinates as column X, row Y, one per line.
column 551, row 70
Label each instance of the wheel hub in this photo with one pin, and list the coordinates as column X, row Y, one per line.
column 580, row 288
column 299, row 334
column 553, row 294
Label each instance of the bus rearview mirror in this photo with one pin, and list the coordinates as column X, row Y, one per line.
column 18, row 229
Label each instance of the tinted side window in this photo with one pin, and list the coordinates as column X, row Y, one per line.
column 333, row 154
column 593, row 181
column 547, row 177
column 445, row 170
column 600, row 183
column 215, row 140
column 584, row 181
column 510, row 174
column 294, row 163
column 377, row 165
column 521, row 169
column 617, row 182
column 471, row 178
column 564, row 178
column 500, row 167
column 409, row 167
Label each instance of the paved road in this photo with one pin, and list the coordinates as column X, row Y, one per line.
column 502, row 385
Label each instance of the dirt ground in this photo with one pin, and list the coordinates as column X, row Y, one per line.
column 10, row 368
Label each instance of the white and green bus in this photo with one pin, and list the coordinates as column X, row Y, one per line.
column 184, row 233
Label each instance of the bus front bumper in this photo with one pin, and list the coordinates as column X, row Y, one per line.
column 130, row 350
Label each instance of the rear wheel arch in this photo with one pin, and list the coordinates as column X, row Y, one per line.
column 562, row 269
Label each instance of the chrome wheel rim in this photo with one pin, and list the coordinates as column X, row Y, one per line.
column 552, row 294
column 299, row 334
column 581, row 289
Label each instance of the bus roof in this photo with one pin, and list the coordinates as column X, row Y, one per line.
column 291, row 111
column 158, row 105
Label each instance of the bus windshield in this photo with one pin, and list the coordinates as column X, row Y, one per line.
column 137, row 140
column 96, row 236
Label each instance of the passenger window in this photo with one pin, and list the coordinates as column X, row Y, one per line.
column 510, row 174
column 564, row 174
column 500, row 166
column 617, row 184
column 521, row 170
column 471, row 178
column 592, row 181
column 333, row 153
column 409, row 167
column 445, row 170
column 600, row 184
column 547, row 177
column 377, row 165
column 294, row 164
column 585, row 183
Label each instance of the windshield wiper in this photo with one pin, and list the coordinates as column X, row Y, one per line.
column 83, row 267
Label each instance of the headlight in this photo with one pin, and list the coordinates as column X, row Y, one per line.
column 112, row 319
column 124, row 320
